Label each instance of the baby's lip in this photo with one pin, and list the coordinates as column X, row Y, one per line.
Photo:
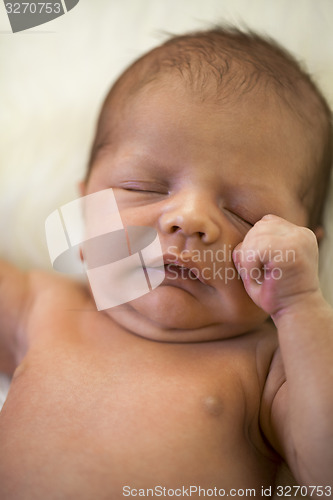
column 174, row 260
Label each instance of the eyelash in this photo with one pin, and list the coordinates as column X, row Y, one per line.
column 134, row 190
column 141, row 190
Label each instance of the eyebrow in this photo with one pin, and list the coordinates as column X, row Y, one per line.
column 139, row 159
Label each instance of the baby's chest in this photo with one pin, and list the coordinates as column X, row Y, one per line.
column 134, row 395
column 137, row 413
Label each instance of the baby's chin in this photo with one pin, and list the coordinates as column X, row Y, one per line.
column 169, row 315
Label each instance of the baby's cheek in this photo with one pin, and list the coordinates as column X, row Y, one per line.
column 235, row 298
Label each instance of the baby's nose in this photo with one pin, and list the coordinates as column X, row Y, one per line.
column 191, row 215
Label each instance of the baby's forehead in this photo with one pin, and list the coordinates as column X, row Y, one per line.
column 222, row 67
column 140, row 85
column 249, row 115
column 214, row 74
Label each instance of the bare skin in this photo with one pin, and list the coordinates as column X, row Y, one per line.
column 191, row 384
column 100, row 408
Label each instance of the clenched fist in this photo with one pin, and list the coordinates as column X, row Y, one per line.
column 278, row 263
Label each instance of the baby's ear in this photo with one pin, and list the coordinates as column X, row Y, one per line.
column 82, row 188
column 319, row 233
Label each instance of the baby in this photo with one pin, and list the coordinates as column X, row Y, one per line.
column 207, row 384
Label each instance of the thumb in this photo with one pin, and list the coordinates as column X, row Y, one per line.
column 236, row 253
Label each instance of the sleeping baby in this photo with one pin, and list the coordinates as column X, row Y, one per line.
column 206, row 385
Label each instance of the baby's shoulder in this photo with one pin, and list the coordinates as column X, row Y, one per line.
column 55, row 289
column 26, row 297
column 49, row 302
column 54, row 298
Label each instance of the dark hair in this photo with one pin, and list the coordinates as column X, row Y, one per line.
column 224, row 63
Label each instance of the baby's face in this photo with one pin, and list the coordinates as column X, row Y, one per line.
column 201, row 174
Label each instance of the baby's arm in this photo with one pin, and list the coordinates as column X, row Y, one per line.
column 297, row 404
column 14, row 286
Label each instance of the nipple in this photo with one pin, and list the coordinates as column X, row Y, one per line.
column 213, row 405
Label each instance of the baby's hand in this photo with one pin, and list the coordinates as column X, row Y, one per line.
column 278, row 263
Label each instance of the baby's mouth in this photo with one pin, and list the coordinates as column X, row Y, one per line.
column 176, row 271
column 179, row 271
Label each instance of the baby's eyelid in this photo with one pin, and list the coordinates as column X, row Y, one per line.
column 244, row 220
column 240, row 217
column 144, row 188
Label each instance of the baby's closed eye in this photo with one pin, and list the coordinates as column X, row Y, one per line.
column 240, row 219
column 144, row 187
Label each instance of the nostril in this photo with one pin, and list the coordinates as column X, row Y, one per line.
column 174, row 229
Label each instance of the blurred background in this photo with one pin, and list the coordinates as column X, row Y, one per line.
column 54, row 78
